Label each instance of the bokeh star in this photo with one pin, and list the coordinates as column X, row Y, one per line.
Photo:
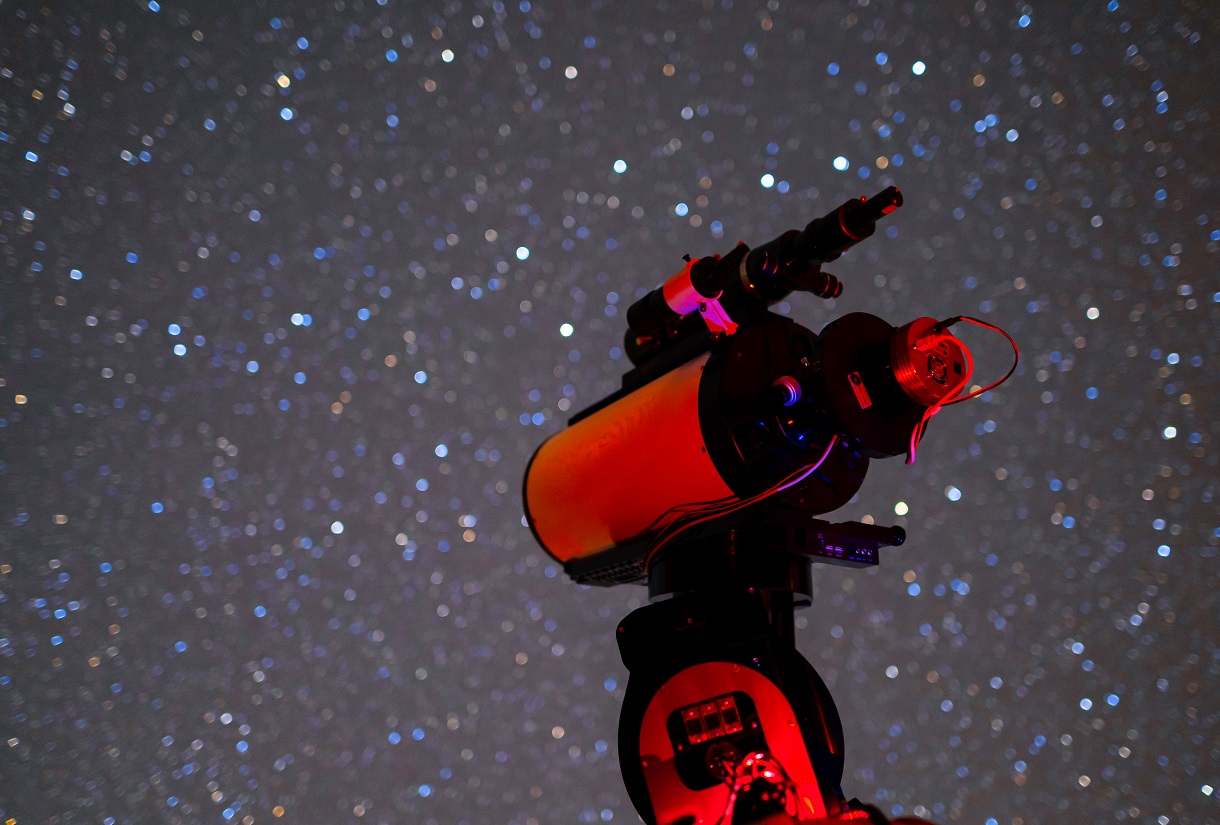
column 291, row 291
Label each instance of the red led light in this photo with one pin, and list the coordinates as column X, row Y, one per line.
column 711, row 720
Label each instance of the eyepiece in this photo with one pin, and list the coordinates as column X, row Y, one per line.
column 858, row 218
column 882, row 203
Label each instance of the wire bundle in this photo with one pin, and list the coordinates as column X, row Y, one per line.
column 760, row 766
column 697, row 513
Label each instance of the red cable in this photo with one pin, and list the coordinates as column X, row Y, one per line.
column 1016, row 358
column 685, row 522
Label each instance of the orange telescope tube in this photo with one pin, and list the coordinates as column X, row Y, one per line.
column 610, row 476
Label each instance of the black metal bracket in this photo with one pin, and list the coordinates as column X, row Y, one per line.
column 773, row 528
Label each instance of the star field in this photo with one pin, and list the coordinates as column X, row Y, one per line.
column 290, row 293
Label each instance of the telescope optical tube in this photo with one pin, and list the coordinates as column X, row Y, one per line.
column 735, row 422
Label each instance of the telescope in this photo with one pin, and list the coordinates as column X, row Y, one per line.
column 703, row 477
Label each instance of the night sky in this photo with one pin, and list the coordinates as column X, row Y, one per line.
column 290, row 292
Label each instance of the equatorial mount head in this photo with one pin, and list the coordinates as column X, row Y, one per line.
column 717, row 686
